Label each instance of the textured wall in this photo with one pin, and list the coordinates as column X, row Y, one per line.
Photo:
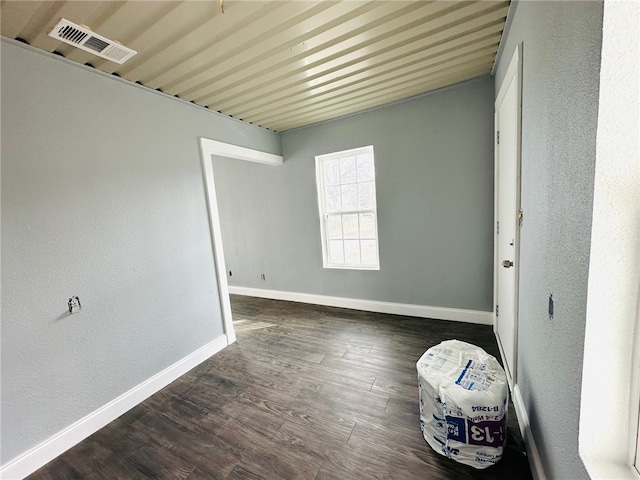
column 434, row 169
column 102, row 197
column 561, row 60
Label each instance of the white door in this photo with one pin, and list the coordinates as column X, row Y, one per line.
column 507, row 151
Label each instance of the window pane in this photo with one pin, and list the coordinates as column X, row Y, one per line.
column 348, row 170
column 334, row 226
column 336, row 252
column 367, row 226
column 350, row 226
column 352, row 252
column 346, row 189
column 366, row 196
column 331, row 172
column 369, row 254
column 349, row 197
column 365, row 168
column 332, row 199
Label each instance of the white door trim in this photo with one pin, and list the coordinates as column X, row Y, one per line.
column 514, row 71
column 213, row 147
column 208, row 148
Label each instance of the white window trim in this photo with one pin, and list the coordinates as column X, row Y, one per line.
column 321, row 202
column 636, row 461
column 610, row 398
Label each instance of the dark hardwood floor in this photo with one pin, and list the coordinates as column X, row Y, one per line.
column 307, row 392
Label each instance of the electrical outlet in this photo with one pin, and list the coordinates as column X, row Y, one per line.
column 74, row 305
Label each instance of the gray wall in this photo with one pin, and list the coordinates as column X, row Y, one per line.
column 434, row 169
column 561, row 62
column 102, row 197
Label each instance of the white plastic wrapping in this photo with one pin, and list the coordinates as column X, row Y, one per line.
column 463, row 403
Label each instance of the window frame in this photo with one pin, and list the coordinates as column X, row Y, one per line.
column 610, row 396
column 323, row 214
column 636, row 463
column 635, row 390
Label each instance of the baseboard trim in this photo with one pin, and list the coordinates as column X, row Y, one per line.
column 41, row 454
column 535, row 462
column 438, row 313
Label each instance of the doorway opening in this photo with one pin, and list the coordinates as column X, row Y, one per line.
column 209, row 148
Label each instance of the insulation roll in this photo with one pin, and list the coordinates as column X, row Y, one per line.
column 463, row 403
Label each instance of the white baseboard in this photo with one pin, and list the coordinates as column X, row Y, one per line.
column 438, row 313
column 41, row 454
column 535, row 462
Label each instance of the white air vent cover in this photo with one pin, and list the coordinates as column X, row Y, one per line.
column 82, row 37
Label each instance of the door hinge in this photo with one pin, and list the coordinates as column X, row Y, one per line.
column 497, row 310
column 497, row 228
column 520, row 217
column 498, row 137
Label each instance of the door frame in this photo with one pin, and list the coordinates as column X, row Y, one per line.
column 514, row 73
column 209, row 148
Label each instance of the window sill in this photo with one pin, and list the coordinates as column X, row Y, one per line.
column 351, row 267
column 600, row 469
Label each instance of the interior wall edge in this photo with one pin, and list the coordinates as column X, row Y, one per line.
column 507, row 26
column 41, row 454
column 138, row 86
column 422, row 311
column 535, row 462
column 387, row 105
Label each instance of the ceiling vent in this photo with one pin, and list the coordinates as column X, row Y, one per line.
column 85, row 39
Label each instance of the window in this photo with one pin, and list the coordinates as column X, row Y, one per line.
column 347, row 204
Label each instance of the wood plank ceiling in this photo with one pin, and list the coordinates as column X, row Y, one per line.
column 279, row 64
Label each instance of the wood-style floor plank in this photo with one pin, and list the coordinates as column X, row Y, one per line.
column 307, row 392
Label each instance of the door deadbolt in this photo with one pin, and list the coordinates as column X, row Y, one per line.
column 507, row 263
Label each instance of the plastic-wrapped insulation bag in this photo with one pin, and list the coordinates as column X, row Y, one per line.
column 463, row 403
